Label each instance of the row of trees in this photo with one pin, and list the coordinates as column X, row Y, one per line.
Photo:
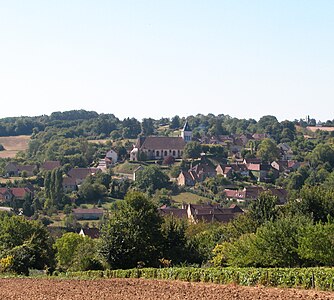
column 81, row 123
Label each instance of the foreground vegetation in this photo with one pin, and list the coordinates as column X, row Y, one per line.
column 318, row 278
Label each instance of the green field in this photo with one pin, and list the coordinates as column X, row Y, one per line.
column 126, row 168
column 189, row 198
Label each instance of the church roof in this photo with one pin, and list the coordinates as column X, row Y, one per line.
column 186, row 127
column 163, row 142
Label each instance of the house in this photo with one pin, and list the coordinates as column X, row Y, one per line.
column 18, row 193
column 247, row 161
column 5, row 195
column 14, row 169
column 195, row 174
column 79, row 174
column 285, row 166
column 240, row 169
column 103, row 164
column 180, row 213
column 286, row 151
column 186, row 179
column 202, row 212
column 242, row 139
column 93, row 233
column 28, row 170
column 87, row 214
column 250, row 193
column 111, row 158
column 261, row 171
column 69, row 184
column 50, row 165
column 281, row 194
column 203, row 170
column 225, row 171
column 159, row 147
column 135, row 171
column 211, row 213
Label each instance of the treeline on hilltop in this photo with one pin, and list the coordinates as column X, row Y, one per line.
column 90, row 124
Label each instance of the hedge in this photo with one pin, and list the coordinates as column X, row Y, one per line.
column 318, row 278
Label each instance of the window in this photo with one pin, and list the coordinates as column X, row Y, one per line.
column 173, row 152
column 165, row 153
column 157, row 153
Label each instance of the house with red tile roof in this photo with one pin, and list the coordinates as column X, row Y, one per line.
column 250, row 193
column 224, row 170
column 19, row 193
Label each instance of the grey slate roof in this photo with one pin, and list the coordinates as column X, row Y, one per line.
column 186, row 127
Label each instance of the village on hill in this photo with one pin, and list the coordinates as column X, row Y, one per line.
column 80, row 168
column 216, row 171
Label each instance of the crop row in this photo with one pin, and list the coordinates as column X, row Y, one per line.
column 318, row 278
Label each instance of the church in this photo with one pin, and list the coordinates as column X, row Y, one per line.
column 159, row 147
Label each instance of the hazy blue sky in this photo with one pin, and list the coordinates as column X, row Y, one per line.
column 161, row 58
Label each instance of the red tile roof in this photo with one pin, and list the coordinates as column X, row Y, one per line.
column 20, row 192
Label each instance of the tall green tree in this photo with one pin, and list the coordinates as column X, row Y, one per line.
column 315, row 202
column 192, row 150
column 316, row 244
column 175, row 241
column 132, row 236
column 151, row 178
column 263, row 208
column 76, row 253
column 175, row 123
column 268, row 150
column 147, row 127
column 28, row 242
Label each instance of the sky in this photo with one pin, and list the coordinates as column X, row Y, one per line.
column 159, row 58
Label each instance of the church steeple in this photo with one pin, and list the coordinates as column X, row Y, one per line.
column 186, row 132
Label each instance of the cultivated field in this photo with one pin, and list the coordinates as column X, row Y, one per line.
column 135, row 289
column 13, row 144
column 314, row 128
column 98, row 141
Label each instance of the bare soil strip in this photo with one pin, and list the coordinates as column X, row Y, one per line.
column 135, row 289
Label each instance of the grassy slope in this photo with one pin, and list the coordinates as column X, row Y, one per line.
column 189, row 198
